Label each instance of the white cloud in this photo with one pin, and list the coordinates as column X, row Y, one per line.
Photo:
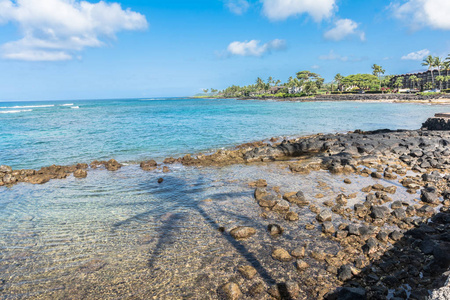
column 277, row 10
column 342, row 29
column 420, row 13
column 419, row 55
column 237, row 7
column 253, row 47
column 333, row 56
column 56, row 29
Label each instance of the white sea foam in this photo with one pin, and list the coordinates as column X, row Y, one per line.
column 28, row 106
column 150, row 99
column 70, row 104
column 14, row 111
column 75, row 107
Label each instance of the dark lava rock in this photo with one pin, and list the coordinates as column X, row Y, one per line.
column 328, row 227
column 429, row 196
column 396, row 235
column 160, row 180
column 345, row 273
column 349, row 293
column 379, row 212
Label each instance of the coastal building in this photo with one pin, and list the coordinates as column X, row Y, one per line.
column 295, row 90
column 425, row 77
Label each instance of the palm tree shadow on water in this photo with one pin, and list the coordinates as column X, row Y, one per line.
column 187, row 201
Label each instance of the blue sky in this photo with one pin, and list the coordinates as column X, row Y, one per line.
column 70, row 49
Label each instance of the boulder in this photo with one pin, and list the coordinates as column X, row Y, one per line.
column 112, row 165
column 281, row 254
column 148, row 165
column 5, row 169
column 80, row 173
column 247, row 271
column 242, row 232
column 232, row 291
column 324, row 215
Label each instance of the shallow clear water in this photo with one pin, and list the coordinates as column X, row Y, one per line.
column 37, row 134
column 121, row 234
column 117, row 235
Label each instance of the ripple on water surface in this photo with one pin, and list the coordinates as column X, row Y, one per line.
column 121, row 234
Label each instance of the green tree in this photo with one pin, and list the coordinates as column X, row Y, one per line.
column 428, row 86
column 310, row 87
column 205, row 91
column 305, row 77
column 270, row 81
column 338, row 79
column 439, row 64
column 378, row 71
column 398, row 83
column 429, row 62
column 440, row 79
column 260, row 85
column 447, row 80
column 362, row 81
column 415, row 80
column 213, row 91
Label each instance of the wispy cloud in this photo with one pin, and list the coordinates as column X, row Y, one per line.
column 254, row 48
column 277, row 10
column 423, row 13
column 418, row 55
column 344, row 28
column 57, row 29
column 334, row 56
column 237, row 7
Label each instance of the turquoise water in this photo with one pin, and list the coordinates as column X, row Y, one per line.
column 121, row 235
column 37, row 134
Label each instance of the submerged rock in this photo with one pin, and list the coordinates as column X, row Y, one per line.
column 242, row 232
column 232, row 291
column 80, row 173
column 281, row 255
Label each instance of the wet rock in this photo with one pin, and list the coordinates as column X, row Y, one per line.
column 341, row 199
column 169, row 160
column 353, row 230
column 340, row 234
column 281, row 254
column 429, row 195
column 256, row 289
column 324, row 215
column 396, row 204
column 39, row 179
column 160, row 180
column 112, row 165
column 292, row 290
column 310, row 226
column 166, row 169
column 352, row 293
column 314, row 209
column 296, row 198
column 5, row 169
column 345, row 273
column 367, row 189
column 247, row 271
column 396, row 235
column 260, row 193
column 232, row 291
column 301, row 265
column 292, row 216
column 328, row 227
column 361, row 210
column 281, row 205
column 9, row 179
column 376, row 175
column 379, row 212
column 148, row 165
column 298, row 252
column 390, row 189
column 371, row 246
column 399, row 213
column 258, row 183
column 242, row 232
column 275, row 229
column 347, row 181
column 80, row 173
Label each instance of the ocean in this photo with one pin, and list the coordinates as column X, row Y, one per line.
column 116, row 235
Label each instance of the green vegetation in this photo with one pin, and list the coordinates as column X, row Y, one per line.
column 306, row 83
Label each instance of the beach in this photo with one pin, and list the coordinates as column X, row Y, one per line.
column 277, row 218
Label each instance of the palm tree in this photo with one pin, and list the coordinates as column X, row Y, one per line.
column 447, row 79
column 338, row 79
column 429, row 62
column 205, row 91
column 377, row 71
column 415, row 80
column 259, row 83
column 439, row 63
column 399, row 83
column 440, row 79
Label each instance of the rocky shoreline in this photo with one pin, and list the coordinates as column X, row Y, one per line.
column 388, row 248
column 440, row 98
